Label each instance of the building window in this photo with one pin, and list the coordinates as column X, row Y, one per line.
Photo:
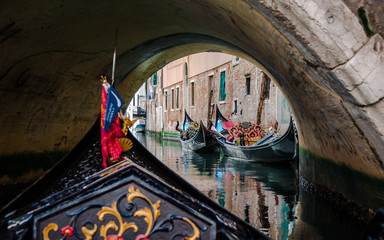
column 222, row 86
column 133, row 102
column 234, row 107
column 192, row 93
column 155, row 79
column 248, row 85
column 177, row 97
column 173, row 99
column 267, row 87
column 165, row 100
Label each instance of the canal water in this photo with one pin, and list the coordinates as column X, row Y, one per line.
column 268, row 197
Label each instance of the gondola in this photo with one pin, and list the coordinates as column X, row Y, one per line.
column 140, row 128
column 200, row 141
column 136, row 198
column 275, row 149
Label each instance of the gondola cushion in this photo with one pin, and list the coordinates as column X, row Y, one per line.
column 192, row 130
column 252, row 133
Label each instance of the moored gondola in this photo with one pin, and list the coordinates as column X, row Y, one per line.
column 270, row 149
column 194, row 136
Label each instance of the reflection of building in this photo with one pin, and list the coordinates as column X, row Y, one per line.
column 199, row 82
column 255, row 203
column 136, row 109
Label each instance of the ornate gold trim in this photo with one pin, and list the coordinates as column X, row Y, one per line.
column 196, row 232
column 47, row 229
column 88, row 233
column 112, row 225
column 117, row 167
column 150, row 217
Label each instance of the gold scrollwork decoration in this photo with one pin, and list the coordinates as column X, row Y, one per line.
column 149, row 216
column 196, row 232
column 88, row 233
column 119, row 225
column 112, row 225
column 47, row 229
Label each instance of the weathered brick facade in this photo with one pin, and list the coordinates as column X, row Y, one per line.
column 243, row 82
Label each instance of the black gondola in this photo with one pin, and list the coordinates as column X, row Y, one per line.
column 276, row 149
column 138, row 198
column 201, row 140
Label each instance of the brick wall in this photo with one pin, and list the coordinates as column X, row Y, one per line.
column 236, row 71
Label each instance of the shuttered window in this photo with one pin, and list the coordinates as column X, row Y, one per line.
column 155, row 79
column 222, row 86
column 192, row 94
column 166, row 100
column 173, row 98
column 177, row 97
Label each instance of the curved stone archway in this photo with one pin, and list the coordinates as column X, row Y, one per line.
column 53, row 54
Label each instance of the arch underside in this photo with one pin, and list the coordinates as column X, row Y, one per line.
column 53, row 55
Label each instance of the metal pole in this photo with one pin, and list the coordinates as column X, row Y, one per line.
column 113, row 66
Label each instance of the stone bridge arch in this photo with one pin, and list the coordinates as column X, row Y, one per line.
column 318, row 52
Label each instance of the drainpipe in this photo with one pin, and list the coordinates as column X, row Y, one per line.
column 261, row 100
column 185, row 87
column 161, row 101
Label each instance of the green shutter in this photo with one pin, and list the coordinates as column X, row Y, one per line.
column 222, row 86
column 155, row 79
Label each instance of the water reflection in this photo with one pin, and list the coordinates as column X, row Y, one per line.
column 264, row 196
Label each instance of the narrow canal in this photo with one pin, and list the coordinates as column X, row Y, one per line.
column 268, row 197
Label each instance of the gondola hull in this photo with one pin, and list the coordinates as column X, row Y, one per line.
column 280, row 149
column 202, row 141
column 196, row 143
column 199, row 143
column 140, row 128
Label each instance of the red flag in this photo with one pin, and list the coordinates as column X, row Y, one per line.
column 110, row 145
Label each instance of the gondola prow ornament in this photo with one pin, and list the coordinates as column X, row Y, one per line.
column 111, row 134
